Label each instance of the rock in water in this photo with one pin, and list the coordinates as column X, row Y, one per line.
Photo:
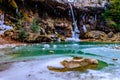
column 76, row 64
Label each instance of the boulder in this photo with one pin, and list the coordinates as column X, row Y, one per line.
column 8, row 33
column 32, row 37
column 79, row 62
column 16, row 34
column 116, row 37
column 44, row 38
column 36, row 37
column 98, row 35
column 63, row 28
column 76, row 64
column 110, row 34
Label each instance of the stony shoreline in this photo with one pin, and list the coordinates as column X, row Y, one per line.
column 9, row 43
column 92, row 36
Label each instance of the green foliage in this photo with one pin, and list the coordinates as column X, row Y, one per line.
column 111, row 23
column 35, row 27
column 19, row 15
column 22, row 34
column 19, row 24
column 115, row 10
column 117, row 28
column 113, row 15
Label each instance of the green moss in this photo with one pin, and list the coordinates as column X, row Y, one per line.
column 82, row 68
column 101, row 65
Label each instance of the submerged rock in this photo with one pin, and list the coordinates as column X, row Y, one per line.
column 76, row 64
column 114, row 59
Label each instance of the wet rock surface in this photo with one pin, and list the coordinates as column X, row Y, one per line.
column 76, row 64
column 101, row 36
column 53, row 17
column 96, row 35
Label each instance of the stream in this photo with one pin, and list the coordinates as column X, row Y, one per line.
column 30, row 62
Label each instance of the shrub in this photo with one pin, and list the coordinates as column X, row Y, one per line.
column 111, row 23
column 35, row 27
column 112, row 15
column 22, row 34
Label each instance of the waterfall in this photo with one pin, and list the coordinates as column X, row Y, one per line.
column 2, row 19
column 4, row 27
column 75, row 31
column 16, row 10
column 83, row 17
column 59, row 39
column 84, row 25
column 84, row 28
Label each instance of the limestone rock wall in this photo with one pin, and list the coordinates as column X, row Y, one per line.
column 53, row 17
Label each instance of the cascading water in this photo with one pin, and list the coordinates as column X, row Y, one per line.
column 84, row 28
column 17, row 10
column 2, row 19
column 84, row 25
column 3, row 27
column 75, row 31
column 95, row 17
